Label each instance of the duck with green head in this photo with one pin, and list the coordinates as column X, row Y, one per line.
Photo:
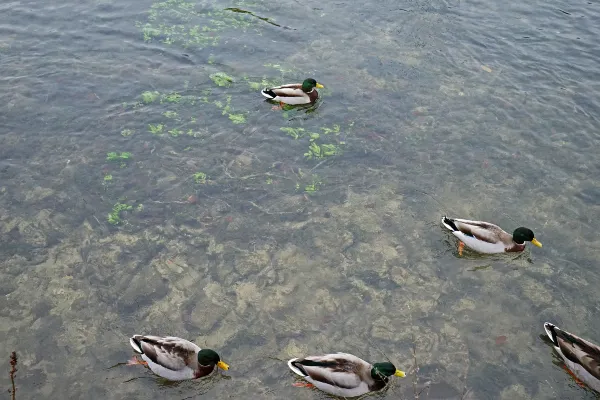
column 174, row 358
column 294, row 93
column 343, row 374
column 485, row 237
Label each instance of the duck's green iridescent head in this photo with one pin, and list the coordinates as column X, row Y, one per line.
column 309, row 84
column 522, row 235
column 384, row 370
column 210, row 357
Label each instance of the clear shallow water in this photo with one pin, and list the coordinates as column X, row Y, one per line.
column 276, row 255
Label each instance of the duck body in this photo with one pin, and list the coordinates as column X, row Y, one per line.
column 488, row 238
column 174, row 358
column 580, row 356
column 343, row 374
column 295, row 93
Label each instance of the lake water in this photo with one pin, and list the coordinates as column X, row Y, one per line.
column 147, row 187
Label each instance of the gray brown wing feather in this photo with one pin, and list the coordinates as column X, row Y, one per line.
column 483, row 231
column 288, row 92
column 289, row 86
column 579, row 351
column 170, row 352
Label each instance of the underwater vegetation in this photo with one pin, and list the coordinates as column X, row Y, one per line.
column 179, row 22
column 200, row 177
column 221, row 79
column 313, row 185
column 316, row 150
column 114, row 156
column 114, row 217
column 180, row 113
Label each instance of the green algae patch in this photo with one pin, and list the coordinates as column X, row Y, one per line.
column 227, row 109
column 310, row 187
column 237, row 118
column 149, row 97
column 114, row 156
column 184, row 23
column 114, row 217
column 200, row 177
column 316, row 147
column 221, row 79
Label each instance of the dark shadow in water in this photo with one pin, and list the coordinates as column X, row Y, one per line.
column 267, row 20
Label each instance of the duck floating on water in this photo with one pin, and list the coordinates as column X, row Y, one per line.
column 485, row 237
column 343, row 374
column 174, row 358
column 294, row 93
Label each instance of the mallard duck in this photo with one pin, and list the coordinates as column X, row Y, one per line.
column 295, row 93
column 488, row 238
column 343, row 374
column 580, row 356
column 174, row 358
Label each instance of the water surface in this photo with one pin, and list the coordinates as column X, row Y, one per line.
column 232, row 237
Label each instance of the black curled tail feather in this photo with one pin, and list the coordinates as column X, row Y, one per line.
column 551, row 332
column 298, row 365
column 450, row 223
column 136, row 344
column 269, row 92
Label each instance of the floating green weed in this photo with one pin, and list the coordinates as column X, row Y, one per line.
column 226, row 109
column 200, row 177
column 126, row 132
column 114, row 217
column 295, row 133
column 150, row 97
column 108, row 178
column 205, row 94
column 221, row 79
column 321, row 151
column 170, row 114
column 311, row 187
column 264, row 83
column 316, row 150
column 335, row 130
column 182, row 22
column 279, row 68
column 175, row 132
column 114, row 156
column 237, row 118
column 171, row 98
column 156, row 129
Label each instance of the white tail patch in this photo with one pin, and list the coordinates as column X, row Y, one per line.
column 267, row 95
column 294, row 369
column 135, row 346
column 547, row 327
column 451, row 229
